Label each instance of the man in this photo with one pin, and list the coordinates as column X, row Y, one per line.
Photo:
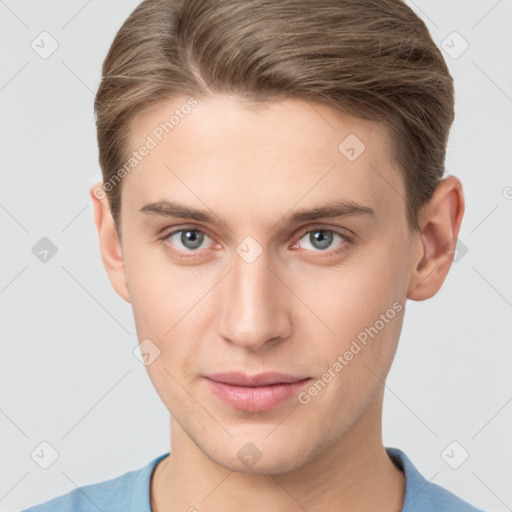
column 272, row 195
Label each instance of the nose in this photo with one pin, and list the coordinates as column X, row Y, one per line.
column 254, row 305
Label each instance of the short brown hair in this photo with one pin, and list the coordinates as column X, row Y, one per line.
column 374, row 59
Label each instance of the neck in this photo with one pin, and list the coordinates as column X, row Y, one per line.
column 354, row 474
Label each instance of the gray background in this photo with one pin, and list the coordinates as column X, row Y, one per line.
column 68, row 375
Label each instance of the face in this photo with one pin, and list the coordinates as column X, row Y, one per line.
column 263, row 279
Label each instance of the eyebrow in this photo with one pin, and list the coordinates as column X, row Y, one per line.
column 341, row 208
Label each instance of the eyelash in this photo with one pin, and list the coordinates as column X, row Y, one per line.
column 193, row 253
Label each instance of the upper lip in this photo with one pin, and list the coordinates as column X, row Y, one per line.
column 261, row 379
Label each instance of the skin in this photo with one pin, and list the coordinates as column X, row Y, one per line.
column 294, row 309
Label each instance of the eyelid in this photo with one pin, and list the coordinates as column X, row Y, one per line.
column 344, row 232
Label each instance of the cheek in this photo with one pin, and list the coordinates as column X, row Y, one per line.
column 165, row 304
column 361, row 305
column 160, row 293
column 168, row 301
column 350, row 296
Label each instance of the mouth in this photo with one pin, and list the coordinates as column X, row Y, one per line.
column 255, row 393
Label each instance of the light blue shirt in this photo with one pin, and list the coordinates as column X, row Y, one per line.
column 129, row 492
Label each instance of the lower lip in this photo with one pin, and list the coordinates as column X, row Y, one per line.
column 256, row 399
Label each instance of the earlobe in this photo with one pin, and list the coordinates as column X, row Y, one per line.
column 110, row 245
column 440, row 222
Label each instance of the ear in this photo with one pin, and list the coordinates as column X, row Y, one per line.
column 440, row 221
column 110, row 245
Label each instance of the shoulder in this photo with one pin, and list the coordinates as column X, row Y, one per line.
column 130, row 489
column 422, row 495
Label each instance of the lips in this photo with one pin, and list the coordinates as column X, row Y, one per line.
column 255, row 393
column 262, row 379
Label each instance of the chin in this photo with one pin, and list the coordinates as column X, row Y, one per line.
column 258, row 458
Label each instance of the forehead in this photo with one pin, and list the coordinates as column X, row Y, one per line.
column 260, row 155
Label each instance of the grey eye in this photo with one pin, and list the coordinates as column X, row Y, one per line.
column 321, row 239
column 189, row 238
